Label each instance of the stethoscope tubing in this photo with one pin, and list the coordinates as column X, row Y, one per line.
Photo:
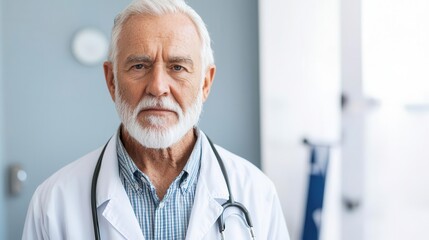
column 231, row 202
column 94, row 194
column 221, row 221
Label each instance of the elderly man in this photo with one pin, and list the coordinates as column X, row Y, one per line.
column 159, row 176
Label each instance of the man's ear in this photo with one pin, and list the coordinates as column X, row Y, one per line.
column 208, row 81
column 110, row 78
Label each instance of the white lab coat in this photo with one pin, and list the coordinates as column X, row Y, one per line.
column 61, row 209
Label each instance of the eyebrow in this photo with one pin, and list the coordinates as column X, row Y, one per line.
column 186, row 60
column 147, row 59
column 138, row 58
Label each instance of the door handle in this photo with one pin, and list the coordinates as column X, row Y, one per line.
column 351, row 204
column 17, row 177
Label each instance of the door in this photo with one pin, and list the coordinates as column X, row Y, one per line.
column 300, row 98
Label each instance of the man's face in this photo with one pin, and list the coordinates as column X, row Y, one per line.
column 159, row 80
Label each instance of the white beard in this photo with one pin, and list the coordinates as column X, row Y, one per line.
column 157, row 135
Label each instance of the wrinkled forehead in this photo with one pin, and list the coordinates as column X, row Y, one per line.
column 172, row 32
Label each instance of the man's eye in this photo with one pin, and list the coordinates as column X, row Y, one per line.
column 177, row 68
column 139, row 66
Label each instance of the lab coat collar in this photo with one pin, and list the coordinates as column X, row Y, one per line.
column 211, row 171
column 211, row 192
column 118, row 210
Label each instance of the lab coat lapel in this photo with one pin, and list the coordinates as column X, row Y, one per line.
column 118, row 210
column 211, row 192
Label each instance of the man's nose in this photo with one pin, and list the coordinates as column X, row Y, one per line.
column 158, row 84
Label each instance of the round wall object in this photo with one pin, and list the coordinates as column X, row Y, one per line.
column 90, row 46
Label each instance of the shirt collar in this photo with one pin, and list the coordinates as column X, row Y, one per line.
column 188, row 176
column 127, row 168
column 192, row 167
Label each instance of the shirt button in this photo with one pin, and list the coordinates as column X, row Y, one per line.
column 161, row 204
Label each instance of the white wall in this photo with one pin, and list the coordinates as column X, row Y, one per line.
column 397, row 189
column 300, row 91
column 395, row 49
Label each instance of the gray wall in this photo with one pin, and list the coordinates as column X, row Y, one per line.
column 231, row 115
column 56, row 110
column 2, row 186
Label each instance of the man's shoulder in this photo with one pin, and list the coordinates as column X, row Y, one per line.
column 62, row 198
column 71, row 177
column 243, row 171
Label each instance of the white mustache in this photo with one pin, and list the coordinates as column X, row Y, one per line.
column 165, row 103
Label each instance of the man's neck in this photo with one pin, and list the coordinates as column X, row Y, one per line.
column 162, row 166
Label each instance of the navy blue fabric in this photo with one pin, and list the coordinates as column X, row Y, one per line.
column 319, row 158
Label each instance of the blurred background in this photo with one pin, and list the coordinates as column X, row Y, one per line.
column 349, row 76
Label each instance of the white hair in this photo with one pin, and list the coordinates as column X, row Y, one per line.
column 157, row 8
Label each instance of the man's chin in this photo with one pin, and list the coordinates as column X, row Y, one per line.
column 154, row 128
column 153, row 121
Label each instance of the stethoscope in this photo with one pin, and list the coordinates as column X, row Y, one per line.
column 221, row 221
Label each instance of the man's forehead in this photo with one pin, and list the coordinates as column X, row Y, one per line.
column 175, row 34
column 162, row 25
